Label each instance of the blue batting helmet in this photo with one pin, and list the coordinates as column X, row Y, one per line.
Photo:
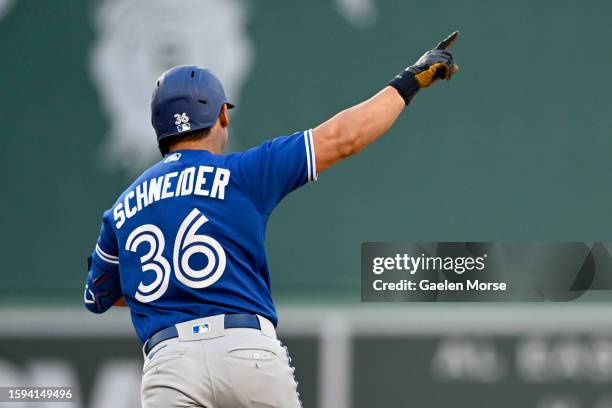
column 185, row 99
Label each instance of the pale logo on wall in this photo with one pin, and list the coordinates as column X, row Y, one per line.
column 5, row 7
column 135, row 42
column 360, row 13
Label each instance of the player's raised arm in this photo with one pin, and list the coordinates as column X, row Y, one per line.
column 351, row 130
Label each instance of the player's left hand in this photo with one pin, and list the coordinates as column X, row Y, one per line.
column 120, row 302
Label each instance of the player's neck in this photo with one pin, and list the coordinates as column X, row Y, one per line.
column 209, row 144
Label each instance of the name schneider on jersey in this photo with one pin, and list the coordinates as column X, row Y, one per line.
column 205, row 181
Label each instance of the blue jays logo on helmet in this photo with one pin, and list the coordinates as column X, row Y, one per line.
column 186, row 98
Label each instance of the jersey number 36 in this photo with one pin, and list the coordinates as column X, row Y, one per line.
column 186, row 244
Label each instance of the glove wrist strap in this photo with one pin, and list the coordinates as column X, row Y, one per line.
column 406, row 84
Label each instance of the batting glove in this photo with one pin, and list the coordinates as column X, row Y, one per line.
column 433, row 65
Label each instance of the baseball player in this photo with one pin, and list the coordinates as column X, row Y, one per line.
column 183, row 246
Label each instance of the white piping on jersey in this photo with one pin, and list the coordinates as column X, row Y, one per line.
column 311, row 164
column 307, row 155
column 312, row 156
column 88, row 292
column 106, row 257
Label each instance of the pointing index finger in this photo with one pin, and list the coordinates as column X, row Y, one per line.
column 447, row 42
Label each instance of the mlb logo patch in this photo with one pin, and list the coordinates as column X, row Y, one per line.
column 183, row 127
column 172, row 158
column 200, row 328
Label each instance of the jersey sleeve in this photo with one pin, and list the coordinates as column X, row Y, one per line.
column 103, row 286
column 277, row 167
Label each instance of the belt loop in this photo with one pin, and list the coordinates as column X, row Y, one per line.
column 144, row 347
column 200, row 329
column 267, row 328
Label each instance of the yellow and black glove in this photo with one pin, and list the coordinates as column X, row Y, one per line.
column 433, row 65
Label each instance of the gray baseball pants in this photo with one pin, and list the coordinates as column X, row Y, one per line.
column 222, row 368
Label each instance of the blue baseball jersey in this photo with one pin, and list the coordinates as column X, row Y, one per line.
column 186, row 239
